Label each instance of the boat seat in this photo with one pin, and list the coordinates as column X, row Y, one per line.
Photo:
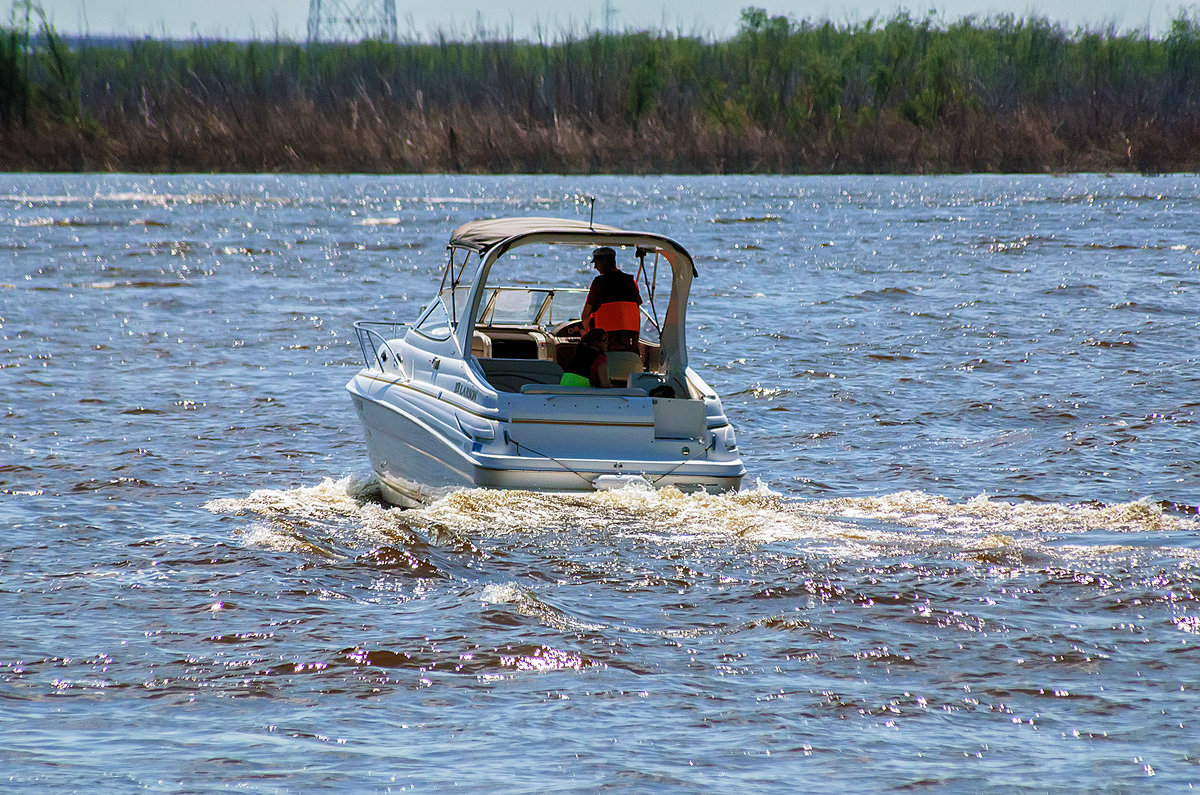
column 481, row 345
column 509, row 375
column 621, row 364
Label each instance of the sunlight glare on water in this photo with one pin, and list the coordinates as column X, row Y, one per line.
column 967, row 554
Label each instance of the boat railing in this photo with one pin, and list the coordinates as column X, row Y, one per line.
column 374, row 338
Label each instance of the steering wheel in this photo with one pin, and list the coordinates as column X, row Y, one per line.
column 572, row 329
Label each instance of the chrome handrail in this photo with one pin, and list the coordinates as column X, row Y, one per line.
column 367, row 334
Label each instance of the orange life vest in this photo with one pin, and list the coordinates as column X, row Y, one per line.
column 617, row 316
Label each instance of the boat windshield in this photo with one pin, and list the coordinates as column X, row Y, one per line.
column 531, row 306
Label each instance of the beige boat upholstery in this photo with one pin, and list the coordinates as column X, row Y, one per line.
column 621, row 364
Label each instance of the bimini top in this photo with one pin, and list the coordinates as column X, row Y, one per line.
column 479, row 236
column 482, row 235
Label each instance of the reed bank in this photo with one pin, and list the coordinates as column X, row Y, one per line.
column 901, row 95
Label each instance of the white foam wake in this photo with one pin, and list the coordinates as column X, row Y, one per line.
column 855, row 525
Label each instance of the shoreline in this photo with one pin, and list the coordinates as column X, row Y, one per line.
column 1002, row 95
column 394, row 147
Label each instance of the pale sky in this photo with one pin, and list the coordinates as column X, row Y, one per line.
column 461, row 18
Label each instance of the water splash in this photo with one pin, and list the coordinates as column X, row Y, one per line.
column 864, row 527
column 918, row 509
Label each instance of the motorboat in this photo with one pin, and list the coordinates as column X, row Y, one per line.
column 470, row 393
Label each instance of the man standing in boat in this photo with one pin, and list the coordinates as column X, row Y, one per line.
column 612, row 302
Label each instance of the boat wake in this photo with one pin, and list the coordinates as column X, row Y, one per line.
column 339, row 518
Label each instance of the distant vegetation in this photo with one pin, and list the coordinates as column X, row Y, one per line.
column 899, row 95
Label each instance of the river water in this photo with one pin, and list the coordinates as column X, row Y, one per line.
column 966, row 555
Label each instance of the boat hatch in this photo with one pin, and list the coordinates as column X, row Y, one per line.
column 678, row 419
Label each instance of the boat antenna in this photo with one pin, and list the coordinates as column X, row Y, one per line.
column 591, row 200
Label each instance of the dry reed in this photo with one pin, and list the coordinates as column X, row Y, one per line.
column 1003, row 94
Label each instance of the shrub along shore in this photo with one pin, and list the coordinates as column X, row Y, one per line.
column 903, row 95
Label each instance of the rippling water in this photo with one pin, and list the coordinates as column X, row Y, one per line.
column 970, row 558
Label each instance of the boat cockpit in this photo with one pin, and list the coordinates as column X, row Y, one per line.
column 524, row 332
column 543, row 324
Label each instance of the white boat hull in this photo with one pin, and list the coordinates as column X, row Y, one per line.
column 413, row 463
column 418, row 456
column 471, row 394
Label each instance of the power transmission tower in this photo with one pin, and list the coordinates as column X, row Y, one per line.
column 351, row 20
column 610, row 15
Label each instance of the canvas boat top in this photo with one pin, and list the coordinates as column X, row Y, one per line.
column 481, row 236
